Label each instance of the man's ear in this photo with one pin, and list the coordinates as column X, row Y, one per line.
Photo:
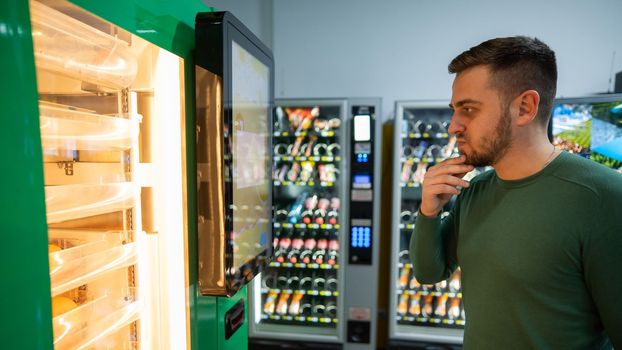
column 528, row 103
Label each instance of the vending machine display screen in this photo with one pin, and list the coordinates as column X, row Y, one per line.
column 362, row 127
column 592, row 129
column 251, row 163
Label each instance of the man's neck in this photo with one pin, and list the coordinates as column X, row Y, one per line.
column 524, row 159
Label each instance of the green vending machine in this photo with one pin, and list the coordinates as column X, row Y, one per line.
column 103, row 203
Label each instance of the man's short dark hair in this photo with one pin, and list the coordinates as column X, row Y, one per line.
column 516, row 64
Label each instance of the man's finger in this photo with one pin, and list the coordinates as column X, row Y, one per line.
column 438, row 189
column 456, row 160
column 453, row 169
column 446, row 179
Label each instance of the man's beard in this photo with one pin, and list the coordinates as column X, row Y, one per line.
column 492, row 147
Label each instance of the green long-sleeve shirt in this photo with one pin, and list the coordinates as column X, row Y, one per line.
column 541, row 257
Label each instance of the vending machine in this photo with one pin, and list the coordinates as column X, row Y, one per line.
column 591, row 127
column 320, row 290
column 419, row 314
column 101, row 203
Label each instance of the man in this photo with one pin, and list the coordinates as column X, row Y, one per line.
column 539, row 238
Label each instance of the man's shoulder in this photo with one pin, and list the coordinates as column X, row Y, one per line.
column 588, row 174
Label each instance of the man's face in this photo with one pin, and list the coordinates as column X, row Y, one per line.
column 481, row 122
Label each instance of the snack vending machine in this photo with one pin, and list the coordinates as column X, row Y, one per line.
column 100, row 202
column 418, row 312
column 320, row 290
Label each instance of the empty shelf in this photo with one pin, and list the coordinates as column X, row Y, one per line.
column 63, row 127
column 67, row 46
column 93, row 321
column 74, row 268
column 72, row 245
column 82, row 236
column 70, row 202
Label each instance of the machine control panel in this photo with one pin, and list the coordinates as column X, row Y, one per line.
column 361, row 185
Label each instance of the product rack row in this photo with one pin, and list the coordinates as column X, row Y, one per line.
column 283, row 278
column 323, row 293
column 305, row 172
column 325, row 159
column 425, row 135
column 306, row 247
column 428, row 291
column 312, row 266
column 300, row 296
column 307, row 226
column 312, row 148
column 309, row 208
column 408, row 216
column 427, row 150
column 307, row 257
column 309, row 184
column 406, row 226
column 301, row 320
column 321, row 133
column 430, row 321
column 424, row 127
column 407, row 280
column 430, row 308
column 302, row 121
column 298, row 307
column 300, row 280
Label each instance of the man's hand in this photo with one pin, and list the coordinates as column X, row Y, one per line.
column 441, row 182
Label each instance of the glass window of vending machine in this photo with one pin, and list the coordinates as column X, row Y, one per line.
column 112, row 126
column 419, row 312
column 320, row 289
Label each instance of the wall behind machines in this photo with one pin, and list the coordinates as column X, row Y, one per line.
column 400, row 49
column 255, row 14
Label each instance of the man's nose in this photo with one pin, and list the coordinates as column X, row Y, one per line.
column 455, row 126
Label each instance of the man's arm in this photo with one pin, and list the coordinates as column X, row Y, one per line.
column 433, row 243
column 433, row 248
column 602, row 263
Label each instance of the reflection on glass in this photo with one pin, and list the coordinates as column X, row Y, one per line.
column 251, row 164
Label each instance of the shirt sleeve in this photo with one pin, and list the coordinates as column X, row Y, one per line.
column 433, row 248
column 602, row 263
